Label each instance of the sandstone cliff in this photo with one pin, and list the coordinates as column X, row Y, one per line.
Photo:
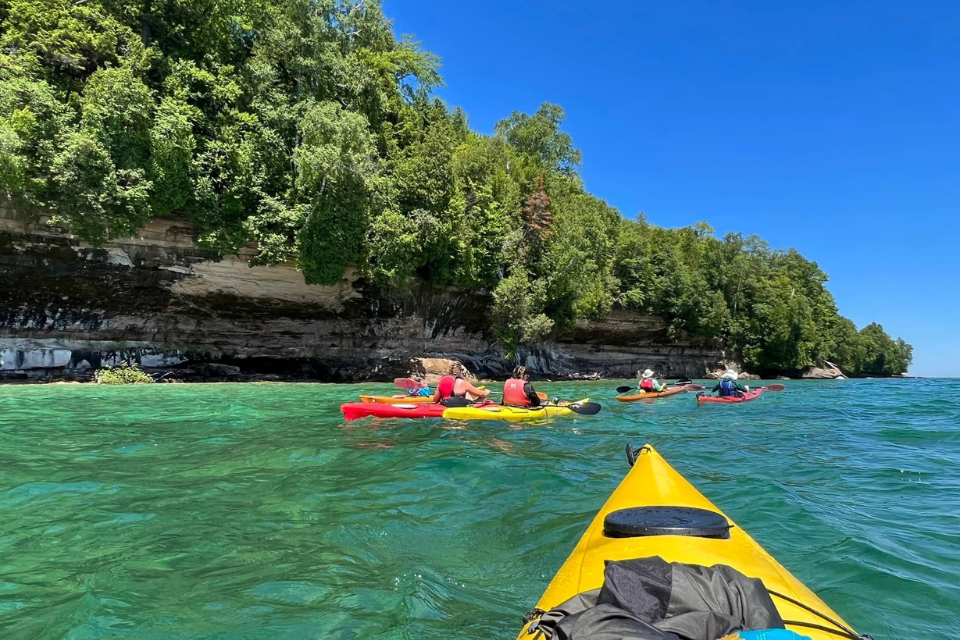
column 158, row 299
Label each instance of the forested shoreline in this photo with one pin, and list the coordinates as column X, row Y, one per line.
column 310, row 129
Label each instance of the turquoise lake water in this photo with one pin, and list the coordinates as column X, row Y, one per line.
column 246, row 511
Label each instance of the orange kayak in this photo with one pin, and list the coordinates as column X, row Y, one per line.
column 652, row 396
column 396, row 399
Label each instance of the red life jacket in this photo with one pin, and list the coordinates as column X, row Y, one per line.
column 647, row 384
column 513, row 393
column 446, row 386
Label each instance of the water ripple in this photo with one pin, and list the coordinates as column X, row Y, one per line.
column 253, row 511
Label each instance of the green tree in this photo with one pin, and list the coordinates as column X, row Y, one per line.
column 96, row 199
column 540, row 138
column 335, row 169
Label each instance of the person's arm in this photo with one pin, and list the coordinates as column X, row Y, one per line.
column 741, row 387
column 472, row 390
column 531, row 394
column 659, row 386
column 716, row 388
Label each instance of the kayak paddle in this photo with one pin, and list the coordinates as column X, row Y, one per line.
column 774, row 387
column 624, row 389
column 585, row 408
column 407, row 384
column 540, row 394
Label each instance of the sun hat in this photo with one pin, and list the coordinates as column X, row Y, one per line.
column 648, row 373
column 730, row 374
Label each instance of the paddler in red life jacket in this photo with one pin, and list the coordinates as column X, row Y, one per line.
column 649, row 384
column 453, row 385
column 518, row 392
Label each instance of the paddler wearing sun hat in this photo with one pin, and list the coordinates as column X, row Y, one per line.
column 729, row 385
column 649, row 384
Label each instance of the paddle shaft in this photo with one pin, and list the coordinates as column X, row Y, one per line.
column 540, row 394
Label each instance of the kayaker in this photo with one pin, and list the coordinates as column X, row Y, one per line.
column 649, row 384
column 518, row 392
column 454, row 385
column 423, row 390
column 729, row 386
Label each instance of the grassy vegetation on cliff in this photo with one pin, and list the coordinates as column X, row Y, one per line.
column 308, row 127
column 123, row 374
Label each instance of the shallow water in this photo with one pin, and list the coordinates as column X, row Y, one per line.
column 252, row 511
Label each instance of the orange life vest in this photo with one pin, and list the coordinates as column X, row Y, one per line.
column 513, row 393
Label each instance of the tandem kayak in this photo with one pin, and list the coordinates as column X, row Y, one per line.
column 396, row 399
column 511, row 414
column 747, row 397
column 672, row 391
column 357, row 410
column 656, row 512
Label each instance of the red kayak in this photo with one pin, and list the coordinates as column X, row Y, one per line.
column 747, row 397
column 357, row 410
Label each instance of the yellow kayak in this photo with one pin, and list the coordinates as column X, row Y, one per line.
column 654, row 483
column 510, row 414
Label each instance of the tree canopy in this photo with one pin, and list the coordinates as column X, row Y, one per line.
column 308, row 128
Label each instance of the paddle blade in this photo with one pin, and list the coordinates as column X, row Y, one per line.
column 542, row 395
column 695, row 387
column 774, row 387
column 624, row 389
column 585, row 408
column 406, row 383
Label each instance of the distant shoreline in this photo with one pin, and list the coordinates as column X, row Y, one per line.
column 268, row 379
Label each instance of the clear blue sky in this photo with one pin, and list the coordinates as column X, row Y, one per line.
column 831, row 127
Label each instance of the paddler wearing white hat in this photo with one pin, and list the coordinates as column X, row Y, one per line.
column 649, row 384
column 729, row 384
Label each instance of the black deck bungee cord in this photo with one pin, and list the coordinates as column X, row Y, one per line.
column 845, row 631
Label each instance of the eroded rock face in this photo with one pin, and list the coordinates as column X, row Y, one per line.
column 159, row 300
column 816, row 373
column 430, row 370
